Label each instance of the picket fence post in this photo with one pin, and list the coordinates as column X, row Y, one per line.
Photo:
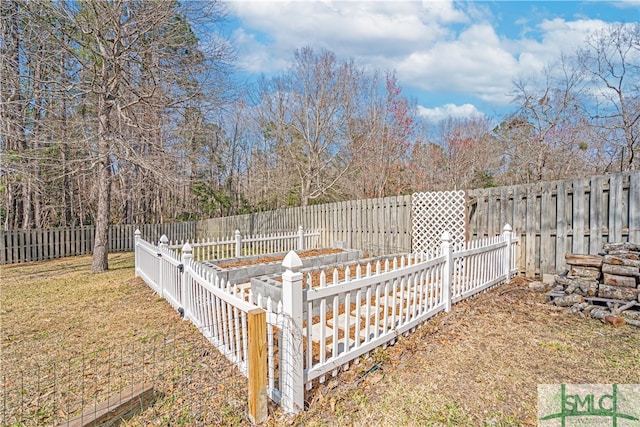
column 291, row 357
column 238, row 244
column 300, row 238
column 184, row 297
column 447, row 249
column 506, row 237
column 163, row 244
column 137, row 236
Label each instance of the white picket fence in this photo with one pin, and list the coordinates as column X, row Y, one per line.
column 326, row 327
column 238, row 245
column 318, row 327
column 198, row 296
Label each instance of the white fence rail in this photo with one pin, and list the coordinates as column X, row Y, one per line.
column 379, row 305
column 485, row 263
column 238, row 245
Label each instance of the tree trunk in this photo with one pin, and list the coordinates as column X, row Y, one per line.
column 100, row 260
column 27, row 212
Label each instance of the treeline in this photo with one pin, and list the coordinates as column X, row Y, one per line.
column 131, row 112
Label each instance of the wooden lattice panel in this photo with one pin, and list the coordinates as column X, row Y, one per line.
column 434, row 213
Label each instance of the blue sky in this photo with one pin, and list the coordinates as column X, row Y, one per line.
column 453, row 58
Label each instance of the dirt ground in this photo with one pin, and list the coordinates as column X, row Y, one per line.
column 480, row 364
column 267, row 259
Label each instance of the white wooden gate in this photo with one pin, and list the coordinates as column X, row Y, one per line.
column 435, row 212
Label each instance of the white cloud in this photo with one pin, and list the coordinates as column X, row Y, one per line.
column 556, row 36
column 437, row 114
column 347, row 28
column 434, row 46
column 474, row 63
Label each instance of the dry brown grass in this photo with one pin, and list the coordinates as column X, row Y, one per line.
column 72, row 336
column 63, row 308
column 478, row 365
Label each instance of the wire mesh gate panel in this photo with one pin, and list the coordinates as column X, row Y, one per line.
column 434, row 213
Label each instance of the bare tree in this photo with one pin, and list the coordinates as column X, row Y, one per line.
column 470, row 152
column 382, row 136
column 612, row 58
column 92, row 86
column 543, row 139
column 13, row 135
column 306, row 112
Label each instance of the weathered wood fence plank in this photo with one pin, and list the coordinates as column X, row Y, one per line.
column 550, row 219
column 17, row 246
column 554, row 218
column 375, row 226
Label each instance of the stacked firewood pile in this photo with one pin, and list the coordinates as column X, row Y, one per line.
column 611, row 278
column 621, row 272
column 583, row 277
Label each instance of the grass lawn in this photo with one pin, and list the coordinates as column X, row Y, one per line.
column 478, row 365
column 72, row 339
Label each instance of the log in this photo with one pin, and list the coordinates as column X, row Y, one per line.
column 585, row 272
column 537, row 286
column 578, row 285
column 621, row 260
column 621, row 270
column 568, row 300
column 572, row 280
column 615, row 280
column 587, row 309
column 599, row 313
column 635, row 323
column 625, row 246
column 618, row 293
column 615, row 320
column 584, row 260
column 626, row 254
column 616, row 308
column 632, row 314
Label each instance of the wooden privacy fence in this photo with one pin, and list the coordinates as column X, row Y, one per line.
column 375, row 226
column 239, row 245
column 18, row 246
column 553, row 218
column 550, row 218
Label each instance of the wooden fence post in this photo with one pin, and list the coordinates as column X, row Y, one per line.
column 238, row 244
column 300, row 238
column 447, row 249
column 292, row 359
column 506, row 237
column 257, row 365
column 136, row 252
column 184, row 288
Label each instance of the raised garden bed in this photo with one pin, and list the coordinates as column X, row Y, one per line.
column 271, row 285
column 242, row 270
